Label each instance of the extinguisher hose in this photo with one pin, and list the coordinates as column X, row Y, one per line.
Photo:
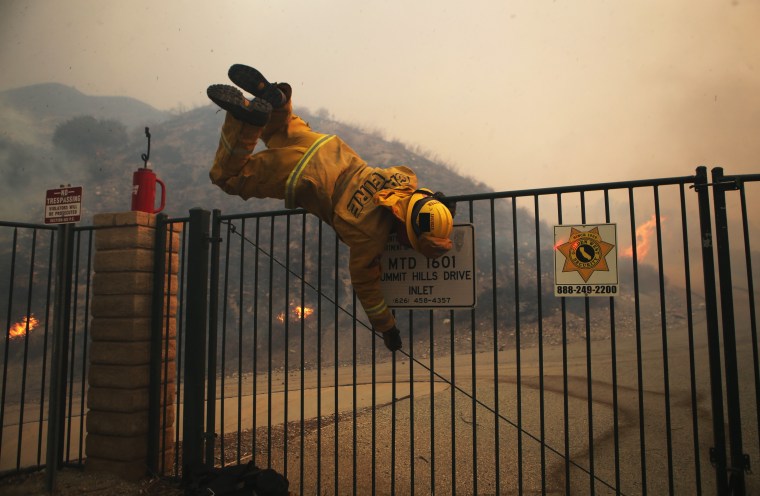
column 146, row 156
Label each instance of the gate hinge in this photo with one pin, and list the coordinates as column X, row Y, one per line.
column 713, row 457
column 728, row 184
column 745, row 467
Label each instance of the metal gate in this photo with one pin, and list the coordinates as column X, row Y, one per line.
column 652, row 391
column 46, row 275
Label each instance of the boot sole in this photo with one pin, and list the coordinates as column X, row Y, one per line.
column 231, row 99
column 249, row 79
column 255, row 83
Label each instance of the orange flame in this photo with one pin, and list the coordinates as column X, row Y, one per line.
column 20, row 328
column 298, row 312
column 644, row 236
column 303, row 311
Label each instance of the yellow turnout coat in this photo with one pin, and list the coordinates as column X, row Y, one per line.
column 322, row 174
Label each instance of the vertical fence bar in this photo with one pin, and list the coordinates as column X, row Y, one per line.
column 73, row 334
column 639, row 370
column 374, row 410
column 43, row 382
column 286, row 385
column 613, row 360
column 565, row 395
column 195, row 346
column 303, row 359
column 225, row 295
column 664, row 330
column 518, row 364
column 213, row 331
column 156, row 342
column 589, row 379
column 690, row 329
column 8, row 323
column 221, row 368
column 255, row 375
column 239, row 413
column 393, row 423
column 26, row 350
column 751, row 301
column 85, row 339
column 337, row 363
column 733, row 405
column 269, row 342
column 717, row 452
column 354, row 397
column 432, row 401
column 452, row 408
column 319, row 366
column 539, row 311
column 473, row 384
column 61, row 312
column 181, row 275
column 411, row 403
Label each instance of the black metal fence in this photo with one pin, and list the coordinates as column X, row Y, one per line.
column 46, row 274
column 655, row 390
column 525, row 393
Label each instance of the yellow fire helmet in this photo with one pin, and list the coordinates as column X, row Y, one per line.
column 428, row 224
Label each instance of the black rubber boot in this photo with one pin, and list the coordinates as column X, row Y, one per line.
column 231, row 99
column 255, row 83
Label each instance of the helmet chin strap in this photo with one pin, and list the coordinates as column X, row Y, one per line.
column 401, row 236
column 416, row 211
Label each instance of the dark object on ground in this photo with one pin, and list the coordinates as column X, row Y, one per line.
column 235, row 480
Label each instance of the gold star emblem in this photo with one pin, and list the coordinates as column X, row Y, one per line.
column 584, row 252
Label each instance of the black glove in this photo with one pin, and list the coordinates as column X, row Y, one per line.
column 452, row 206
column 392, row 339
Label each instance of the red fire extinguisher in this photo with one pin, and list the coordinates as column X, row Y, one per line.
column 144, row 186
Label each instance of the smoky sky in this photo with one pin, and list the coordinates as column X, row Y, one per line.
column 516, row 94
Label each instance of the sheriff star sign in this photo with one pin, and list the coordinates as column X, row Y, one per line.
column 585, row 260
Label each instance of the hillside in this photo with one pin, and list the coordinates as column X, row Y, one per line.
column 182, row 150
column 52, row 103
column 102, row 152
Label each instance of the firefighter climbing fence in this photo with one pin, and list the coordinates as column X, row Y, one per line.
column 526, row 392
column 655, row 390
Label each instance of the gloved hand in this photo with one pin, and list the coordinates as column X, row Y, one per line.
column 452, row 206
column 392, row 339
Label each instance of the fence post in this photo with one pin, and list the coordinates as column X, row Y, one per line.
column 62, row 315
column 717, row 452
column 120, row 438
column 739, row 462
column 195, row 343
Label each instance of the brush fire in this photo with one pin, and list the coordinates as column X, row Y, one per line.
column 20, row 328
column 299, row 312
column 644, row 239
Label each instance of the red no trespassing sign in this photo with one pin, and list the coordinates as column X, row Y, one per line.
column 63, row 205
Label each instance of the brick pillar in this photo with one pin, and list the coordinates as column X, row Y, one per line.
column 119, row 372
